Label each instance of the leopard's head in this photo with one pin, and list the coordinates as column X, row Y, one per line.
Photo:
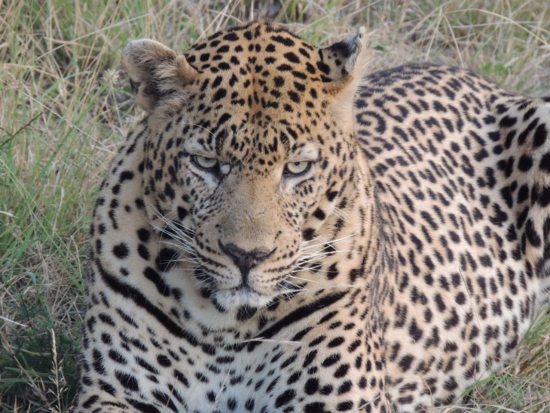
column 249, row 148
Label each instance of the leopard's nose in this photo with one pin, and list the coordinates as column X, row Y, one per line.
column 245, row 260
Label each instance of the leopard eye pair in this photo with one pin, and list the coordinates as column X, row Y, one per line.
column 292, row 169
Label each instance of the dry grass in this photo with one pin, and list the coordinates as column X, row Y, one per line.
column 64, row 107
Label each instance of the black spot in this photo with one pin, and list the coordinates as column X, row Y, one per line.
column 532, row 234
column 284, row 68
column 311, row 386
column 126, row 176
column 169, row 191
column 540, row 136
column 279, row 81
column 106, row 387
column 308, row 234
column 224, row 66
column 90, row 401
column 299, row 87
column 232, row 37
column 165, row 400
column 220, row 94
column 146, row 365
column 143, row 252
column 323, row 67
column 331, row 360
column 117, row 357
column 154, row 276
column 245, row 313
column 98, row 362
column 285, row 398
column 217, row 81
column 143, row 235
column 345, row 387
column 295, row 376
column 182, row 213
column 450, row 384
column 460, row 298
column 166, row 259
column 129, row 382
column 232, row 404
column 525, row 163
column 544, row 198
column 106, row 319
column 283, row 40
column 181, row 378
column 415, row 331
column 304, row 52
column 405, row 362
column 163, row 360
column 224, row 118
column 142, row 407
column 315, row 407
column 291, row 57
column 295, row 97
column 507, row 122
column 331, row 195
column 341, row 371
column 335, row 342
column 545, row 163
column 121, row 251
column 345, row 406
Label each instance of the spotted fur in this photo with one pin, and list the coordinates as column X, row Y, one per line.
column 402, row 266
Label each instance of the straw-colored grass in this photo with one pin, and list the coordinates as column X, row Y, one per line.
column 64, row 108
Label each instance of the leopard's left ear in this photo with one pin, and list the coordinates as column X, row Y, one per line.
column 345, row 63
column 155, row 71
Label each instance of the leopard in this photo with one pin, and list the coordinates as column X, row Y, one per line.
column 286, row 230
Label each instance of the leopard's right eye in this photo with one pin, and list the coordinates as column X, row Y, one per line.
column 204, row 162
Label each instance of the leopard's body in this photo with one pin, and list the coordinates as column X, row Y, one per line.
column 401, row 266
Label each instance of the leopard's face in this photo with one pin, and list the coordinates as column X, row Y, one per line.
column 249, row 194
column 246, row 160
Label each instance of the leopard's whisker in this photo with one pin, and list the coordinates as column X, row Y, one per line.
column 329, row 242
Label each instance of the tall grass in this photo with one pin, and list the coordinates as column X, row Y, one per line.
column 64, row 107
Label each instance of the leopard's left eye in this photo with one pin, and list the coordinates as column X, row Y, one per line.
column 297, row 168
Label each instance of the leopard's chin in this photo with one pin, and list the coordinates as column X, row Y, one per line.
column 241, row 296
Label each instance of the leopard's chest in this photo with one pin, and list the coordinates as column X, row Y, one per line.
column 316, row 366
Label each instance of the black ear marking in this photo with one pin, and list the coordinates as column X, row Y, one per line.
column 344, row 63
column 347, row 50
column 341, row 59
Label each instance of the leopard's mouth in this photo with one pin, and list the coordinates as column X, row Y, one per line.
column 248, row 292
column 242, row 295
column 240, row 289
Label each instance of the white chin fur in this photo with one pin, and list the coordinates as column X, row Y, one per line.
column 235, row 298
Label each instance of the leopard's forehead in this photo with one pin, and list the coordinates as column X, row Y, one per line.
column 262, row 70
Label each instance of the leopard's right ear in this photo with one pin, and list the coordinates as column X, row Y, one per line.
column 155, row 71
